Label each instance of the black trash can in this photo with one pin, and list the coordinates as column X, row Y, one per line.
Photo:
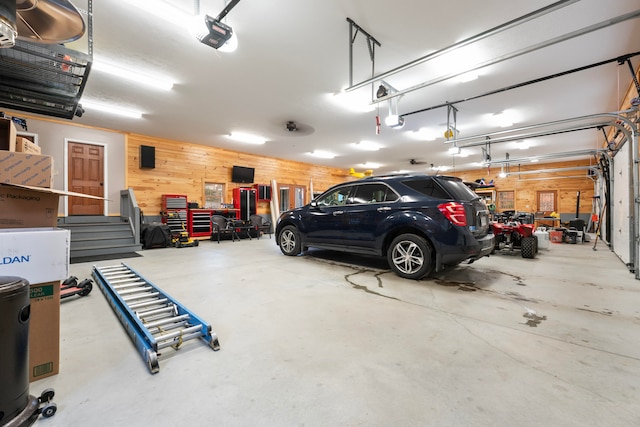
column 14, row 334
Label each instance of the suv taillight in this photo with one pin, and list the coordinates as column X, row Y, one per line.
column 454, row 212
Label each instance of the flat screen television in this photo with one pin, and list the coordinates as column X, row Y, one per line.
column 242, row 174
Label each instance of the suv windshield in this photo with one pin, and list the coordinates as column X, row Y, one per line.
column 453, row 188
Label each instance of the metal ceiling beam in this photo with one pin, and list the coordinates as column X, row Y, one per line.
column 605, row 119
column 495, row 30
column 577, row 153
column 583, row 31
column 619, row 60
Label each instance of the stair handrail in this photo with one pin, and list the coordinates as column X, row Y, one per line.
column 130, row 210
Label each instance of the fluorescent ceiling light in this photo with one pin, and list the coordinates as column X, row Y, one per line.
column 163, row 10
column 535, row 160
column 131, row 75
column 454, row 151
column 370, row 165
column 355, row 101
column 111, row 109
column 505, row 118
column 322, row 154
column 247, row 138
column 425, row 134
column 367, row 145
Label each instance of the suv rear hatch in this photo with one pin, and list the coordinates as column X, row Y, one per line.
column 452, row 188
column 476, row 209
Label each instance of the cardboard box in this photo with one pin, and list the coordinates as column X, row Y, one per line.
column 44, row 330
column 24, row 207
column 23, row 145
column 26, row 169
column 41, row 256
column 7, row 135
column 37, row 254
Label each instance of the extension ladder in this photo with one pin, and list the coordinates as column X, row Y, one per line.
column 152, row 318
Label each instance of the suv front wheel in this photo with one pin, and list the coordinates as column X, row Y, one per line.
column 409, row 256
column 289, row 241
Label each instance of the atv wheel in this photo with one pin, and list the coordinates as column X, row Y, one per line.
column 528, row 247
column 535, row 244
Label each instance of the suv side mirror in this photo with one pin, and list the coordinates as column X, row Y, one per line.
column 313, row 204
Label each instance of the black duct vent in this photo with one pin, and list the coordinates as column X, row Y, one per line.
column 42, row 79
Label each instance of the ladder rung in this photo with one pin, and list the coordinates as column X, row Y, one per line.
column 154, row 312
column 185, row 334
column 138, row 296
column 147, row 303
column 135, row 290
column 129, row 285
column 166, row 321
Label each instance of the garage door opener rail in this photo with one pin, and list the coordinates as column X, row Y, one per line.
column 152, row 318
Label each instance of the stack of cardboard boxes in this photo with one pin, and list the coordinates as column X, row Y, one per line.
column 31, row 246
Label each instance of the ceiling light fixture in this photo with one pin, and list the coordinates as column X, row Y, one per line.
column 370, row 165
column 322, row 154
column 247, row 138
column 425, row 134
column 108, row 108
column 357, row 102
column 131, row 75
column 217, row 32
column 505, row 118
column 367, row 145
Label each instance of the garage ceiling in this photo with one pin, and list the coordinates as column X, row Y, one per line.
column 293, row 57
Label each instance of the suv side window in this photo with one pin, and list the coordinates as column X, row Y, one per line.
column 428, row 187
column 373, row 193
column 336, row 197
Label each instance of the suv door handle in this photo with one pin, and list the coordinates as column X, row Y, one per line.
column 383, row 209
column 335, row 213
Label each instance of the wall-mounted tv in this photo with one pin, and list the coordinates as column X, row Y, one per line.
column 242, row 174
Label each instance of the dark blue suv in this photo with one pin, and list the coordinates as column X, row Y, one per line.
column 421, row 223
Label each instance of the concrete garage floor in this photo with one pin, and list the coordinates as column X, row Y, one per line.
column 314, row 341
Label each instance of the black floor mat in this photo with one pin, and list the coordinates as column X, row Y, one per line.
column 103, row 257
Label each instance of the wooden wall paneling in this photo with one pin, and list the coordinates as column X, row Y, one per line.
column 182, row 168
column 526, row 185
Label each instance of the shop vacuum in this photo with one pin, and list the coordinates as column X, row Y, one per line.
column 17, row 407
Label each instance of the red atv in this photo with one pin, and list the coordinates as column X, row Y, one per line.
column 513, row 230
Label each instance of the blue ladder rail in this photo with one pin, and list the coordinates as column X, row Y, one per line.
column 152, row 318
